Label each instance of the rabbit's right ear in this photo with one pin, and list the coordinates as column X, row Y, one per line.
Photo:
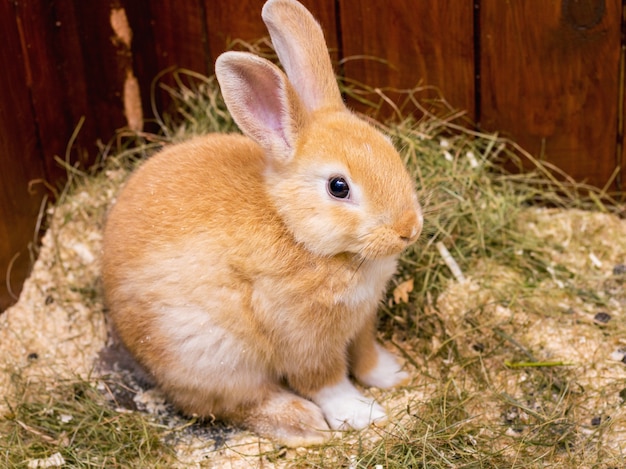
column 262, row 101
column 299, row 42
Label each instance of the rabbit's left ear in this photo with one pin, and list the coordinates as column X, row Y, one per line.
column 262, row 102
column 301, row 48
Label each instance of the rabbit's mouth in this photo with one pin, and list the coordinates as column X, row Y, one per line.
column 387, row 241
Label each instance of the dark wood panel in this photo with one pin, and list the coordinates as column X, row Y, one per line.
column 75, row 72
column 423, row 43
column 19, row 162
column 168, row 34
column 101, row 63
column 621, row 129
column 228, row 21
column 51, row 55
column 550, row 80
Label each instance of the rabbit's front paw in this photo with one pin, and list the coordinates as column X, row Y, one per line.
column 386, row 373
column 345, row 408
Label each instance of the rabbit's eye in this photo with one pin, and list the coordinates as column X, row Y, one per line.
column 338, row 187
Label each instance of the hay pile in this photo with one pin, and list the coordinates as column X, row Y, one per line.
column 518, row 359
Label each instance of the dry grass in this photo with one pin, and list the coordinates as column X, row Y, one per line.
column 513, row 366
column 75, row 423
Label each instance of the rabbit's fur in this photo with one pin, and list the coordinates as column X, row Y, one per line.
column 234, row 272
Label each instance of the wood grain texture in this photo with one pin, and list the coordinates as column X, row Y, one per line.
column 101, row 63
column 19, row 158
column 167, row 35
column 621, row 121
column 75, row 71
column 423, row 42
column 51, row 50
column 550, row 80
column 180, row 36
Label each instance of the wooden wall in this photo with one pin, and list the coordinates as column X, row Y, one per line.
column 548, row 73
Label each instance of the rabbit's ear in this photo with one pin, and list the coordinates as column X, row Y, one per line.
column 262, row 101
column 301, row 48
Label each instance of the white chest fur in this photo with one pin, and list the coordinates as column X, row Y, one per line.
column 371, row 280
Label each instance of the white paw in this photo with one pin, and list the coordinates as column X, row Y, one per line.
column 344, row 407
column 387, row 372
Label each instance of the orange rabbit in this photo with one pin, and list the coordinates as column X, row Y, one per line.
column 244, row 272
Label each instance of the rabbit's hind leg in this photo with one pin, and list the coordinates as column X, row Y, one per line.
column 285, row 417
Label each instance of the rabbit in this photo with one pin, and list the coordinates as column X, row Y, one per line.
column 244, row 272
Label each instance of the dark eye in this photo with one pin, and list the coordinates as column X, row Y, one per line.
column 338, row 187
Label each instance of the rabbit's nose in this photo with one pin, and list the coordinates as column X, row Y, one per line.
column 409, row 225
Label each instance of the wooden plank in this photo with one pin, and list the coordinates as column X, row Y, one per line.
column 19, row 158
column 228, row 21
column 550, row 80
column 168, row 33
column 621, row 129
column 424, row 43
column 44, row 29
column 104, row 62
column 75, row 69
